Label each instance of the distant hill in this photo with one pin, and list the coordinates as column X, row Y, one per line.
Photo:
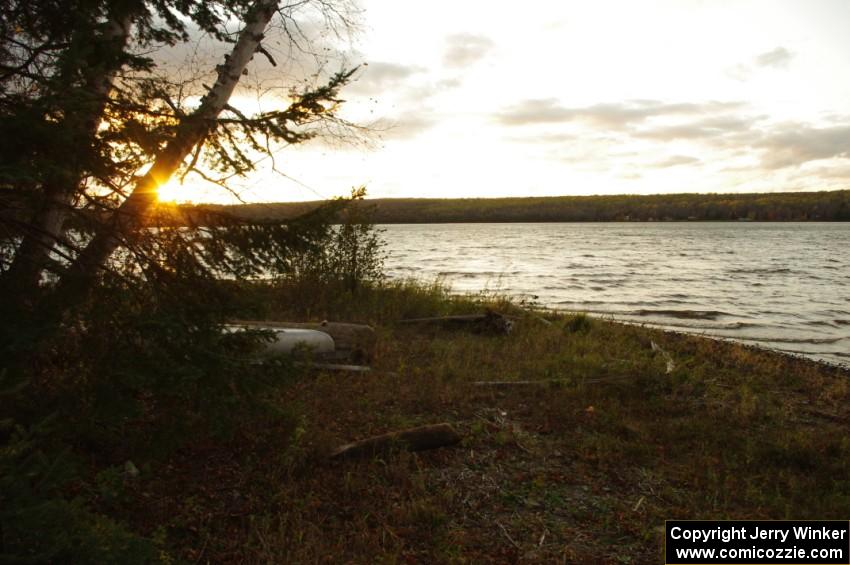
column 770, row 207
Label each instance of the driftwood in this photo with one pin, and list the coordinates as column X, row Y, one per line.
column 837, row 418
column 353, row 342
column 549, row 382
column 540, row 319
column 534, row 316
column 671, row 365
column 337, row 367
column 507, row 384
column 489, row 322
column 413, row 439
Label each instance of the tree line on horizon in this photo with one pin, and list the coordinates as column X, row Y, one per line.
column 825, row 206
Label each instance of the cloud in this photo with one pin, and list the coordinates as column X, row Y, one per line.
column 778, row 58
column 775, row 146
column 537, row 111
column 406, row 126
column 708, row 128
column 612, row 115
column 378, row 77
column 792, row 144
column 408, row 85
column 727, row 127
column 739, row 72
column 549, row 138
column 841, row 172
column 419, row 94
column 464, row 49
column 448, row 83
column 630, row 175
column 675, row 161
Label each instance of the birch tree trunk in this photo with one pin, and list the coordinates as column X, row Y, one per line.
column 46, row 230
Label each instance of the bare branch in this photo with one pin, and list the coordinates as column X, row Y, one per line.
column 262, row 50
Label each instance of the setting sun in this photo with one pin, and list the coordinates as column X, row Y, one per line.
column 182, row 192
column 169, row 192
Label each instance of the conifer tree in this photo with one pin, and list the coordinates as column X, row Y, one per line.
column 112, row 305
column 89, row 129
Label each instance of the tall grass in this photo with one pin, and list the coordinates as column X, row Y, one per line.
column 379, row 302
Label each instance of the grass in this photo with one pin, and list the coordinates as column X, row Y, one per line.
column 585, row 469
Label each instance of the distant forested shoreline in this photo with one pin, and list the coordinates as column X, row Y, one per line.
column 764, row 207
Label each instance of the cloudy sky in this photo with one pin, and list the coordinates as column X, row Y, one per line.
column 485, row 99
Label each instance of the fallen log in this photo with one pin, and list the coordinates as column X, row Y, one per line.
column 532, row 315
column 505, row 384
column 353, row 342
column 489, row 322
column 336, row 367
column 540, row 319
column 837, row 418
column 549, row 382
column 413, row 439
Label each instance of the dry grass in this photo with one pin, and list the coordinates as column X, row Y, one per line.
column 585, row 470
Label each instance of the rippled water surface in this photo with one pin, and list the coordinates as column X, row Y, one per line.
column 780, row 285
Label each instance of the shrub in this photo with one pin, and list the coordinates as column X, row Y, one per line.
column 40, row 521
column 580, row 323
column 351, row 254
column 135, row 374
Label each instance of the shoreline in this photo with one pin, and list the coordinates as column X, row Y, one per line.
column 840, row 366
column 751, row 343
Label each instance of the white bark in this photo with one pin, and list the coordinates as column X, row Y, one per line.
column 47, row 226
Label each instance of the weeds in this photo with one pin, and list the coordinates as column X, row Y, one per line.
column 584, row 471
column 583, row 468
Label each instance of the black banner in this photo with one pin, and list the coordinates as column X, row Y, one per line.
column 757, row 542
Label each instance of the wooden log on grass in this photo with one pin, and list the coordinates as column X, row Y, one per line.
column 549, row 382
column 413, row 439
column 509, row 384
column 336, row 367
column 489, row 322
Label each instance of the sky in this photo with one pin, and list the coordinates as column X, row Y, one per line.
column 543, row 98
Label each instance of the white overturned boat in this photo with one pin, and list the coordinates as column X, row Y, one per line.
column 288, row 340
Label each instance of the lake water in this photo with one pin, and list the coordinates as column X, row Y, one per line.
column 784, row 286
